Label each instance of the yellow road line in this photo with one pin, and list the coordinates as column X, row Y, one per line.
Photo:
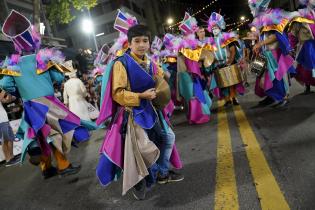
column 225, row 191
column 271, row 197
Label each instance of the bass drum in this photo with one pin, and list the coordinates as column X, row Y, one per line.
column 229, row 76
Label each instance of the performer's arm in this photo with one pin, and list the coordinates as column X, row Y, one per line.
column 119, row 88
column 231, row 58
column 65, row 95
column 271, row 39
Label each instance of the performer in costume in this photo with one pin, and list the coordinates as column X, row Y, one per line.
column 225, row 46
column 301, row 33
column 138, row 140
column 47, row 125
column 275, row 47
column 192, row 86
column 169, row 54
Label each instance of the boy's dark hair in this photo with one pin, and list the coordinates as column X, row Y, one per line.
column 138, row 30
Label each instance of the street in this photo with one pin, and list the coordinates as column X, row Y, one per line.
column 245, row 158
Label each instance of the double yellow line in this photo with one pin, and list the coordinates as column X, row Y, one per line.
column 226, row 196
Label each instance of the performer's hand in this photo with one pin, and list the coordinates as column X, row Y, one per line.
column 149, row 94
column 256, row 48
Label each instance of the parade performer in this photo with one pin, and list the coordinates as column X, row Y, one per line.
column 227, row 56
column 139, row 141
column 275, row 49
column 191, row 83
column 169, row 57
column 302, row 32
column 47, row 125
column 74, row 94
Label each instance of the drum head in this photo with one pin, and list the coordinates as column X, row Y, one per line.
column 207, row 57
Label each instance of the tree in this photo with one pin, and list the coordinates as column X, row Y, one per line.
column 59, row 11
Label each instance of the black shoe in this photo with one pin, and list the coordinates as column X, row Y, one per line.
column 283, row 103
column 235, row 102
column 52, row 171
column 228, row 103
column 15, row 160
column 72, row 169
column 307, row 90
column 247, row 84
column 267, row 101
column 171, row 177
column 139, row 190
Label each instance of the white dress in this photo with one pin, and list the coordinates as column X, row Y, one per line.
column 74, row 94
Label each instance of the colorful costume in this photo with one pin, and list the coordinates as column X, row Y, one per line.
column 169, row 55
column 274, row 81
column 301, row 34
column 191, row 85
column 222, row 43
column 45, row 120
column 134, row 143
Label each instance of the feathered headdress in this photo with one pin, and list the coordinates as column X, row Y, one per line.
column 157, row 44
column 20, row 30
column 188, row 25
column 124, row 21
column 270, row 17
column 258, row 6
column 171, row 42
column 216, row 20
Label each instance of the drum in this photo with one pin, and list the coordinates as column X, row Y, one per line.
column 258, row 65
column 206, row 57
column 229, row 76
column 163, row 93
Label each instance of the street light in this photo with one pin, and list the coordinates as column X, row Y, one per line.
column 242, row 18
column 169, row 21
column 87, row 26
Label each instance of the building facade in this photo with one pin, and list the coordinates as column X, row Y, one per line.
column 103, row 17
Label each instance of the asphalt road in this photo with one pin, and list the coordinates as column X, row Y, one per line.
column 261, row 160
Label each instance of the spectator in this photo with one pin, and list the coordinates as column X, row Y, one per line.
column 6, row 133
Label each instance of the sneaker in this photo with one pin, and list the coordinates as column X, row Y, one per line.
column 267, row 101
column 15, row 160
column 283, row 103
column 72, row 169
column 171, row 177
column 235, row 102
column 228, row 103
column 139, row 190
column 52, row 171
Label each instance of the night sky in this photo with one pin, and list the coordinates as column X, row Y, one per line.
column 232, row 10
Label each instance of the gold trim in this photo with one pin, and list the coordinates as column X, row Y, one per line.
column 50, row 64
column 170, row 60
column 300, row 20
column 229, row 41
column 121, row 52
column 208, row 47
column 9, row 72
column 192, row 54
column 280, row 27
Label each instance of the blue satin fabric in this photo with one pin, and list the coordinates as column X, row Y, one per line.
column 278, row 90
column 140, row 81
column 284, row 43
column 306, row 56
